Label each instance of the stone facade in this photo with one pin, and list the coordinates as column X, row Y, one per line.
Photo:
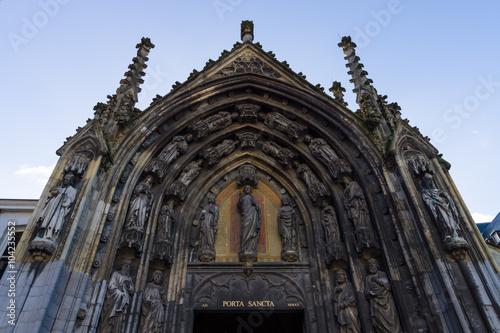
column 248, row 152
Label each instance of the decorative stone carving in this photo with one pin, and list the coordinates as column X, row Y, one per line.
column 315, row 188
column 214, row 154
column 162, row 247
column 138, row 213
column 78, row 162
column 248, row 112
column 57, row 207
column 179, row 187
column 208, row 230
column 417, row 163
column 281, row 123
column 176, row 147
column 283, row 155
column 338, row 91
column 444, row 211
column 323, row 152
column 345, row 305
column 250, row 228
column 116, row 303
column 357, row 211
column 213, row 123
column 287, row 226
column 248, row 62
column 247, row 175
column 247, row 139
column 382, row 306
column 334, row 246
column 153, row 306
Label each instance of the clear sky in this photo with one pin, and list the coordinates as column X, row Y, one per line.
column 439, row 60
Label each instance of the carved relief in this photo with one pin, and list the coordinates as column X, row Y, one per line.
column 153, row 306
column 283, row 155
column 315, row 188
column 214, row 154
column 334, row 246
column 247, row 139
column 346, row 309
column 250, row 228
column 162, row 248
column 382, row 306
column 357, row 211
column 247, row 175
column 79, row 162
column 208, row 230
column 138, row 213
column 176, row 147
column 248, row 113
column 213, row 123
column 116, row 304
column 248, row 62
column 281, row 123
column 179, row 187
column 323, row 152
column 287, row 226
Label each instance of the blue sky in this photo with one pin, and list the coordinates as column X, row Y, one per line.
column 438, row 60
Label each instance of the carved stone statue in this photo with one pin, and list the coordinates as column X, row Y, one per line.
column 153, row 306
column 177, row 146
column 137, row 215
column 213, row 123
column 214, row 154
column 287, row 226
column 116, row 303
column 358, row 213
column 250, row 225
column 283, row 155
column 315, row 188
column 190, row 172
column 278, row 121
column 382, row 306
column 208, row 230
column 334, row 246
column 443, row 209
column 57, row 207
column 323, row 152
column 162, row 248
column 345, row 305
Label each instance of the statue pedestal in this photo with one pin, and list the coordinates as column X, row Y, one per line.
column 206, row 255
column 42, row 249
column 248, row 258
column 289, row 256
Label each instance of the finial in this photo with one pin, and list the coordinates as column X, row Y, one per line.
column 247, row 31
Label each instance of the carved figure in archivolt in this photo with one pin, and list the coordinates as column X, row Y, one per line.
column 213, row 123
column 287, row 226
column 382, row 306
column 358, row 213
column 177, row 146
column 208, row 230
column 443, row 209
column 190, row 172
column 345, row 304
column 153, row 306
column 248, row 139
column 137, row 215
column 214, row 154
column 315, row 188
column 248, row 112
column 116, row 303
column 250, row 221
column 283, row 155
column 334, row 246
column 278, row 121
column 323, row 152
column 162, row 248
column 57, row 207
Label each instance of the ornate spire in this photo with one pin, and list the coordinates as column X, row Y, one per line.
column 247, row 31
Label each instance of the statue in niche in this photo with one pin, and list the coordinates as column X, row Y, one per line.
column 177, row 146
column 278, row 121
column 250, row 227
column 57, row 207
column 334, row 246
column 345, row 304
column 116, row 303
column 162, row 248
column 358, row 213
column 214, row 154
column 153, row 306
column 283, row 155
column 190, row 172
column 287, row 226
column 315, row 188
column 382, row 306
column 213, row 123
column 208, row 230
column 443, row 209
column 137, row 215
column 323, row 152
